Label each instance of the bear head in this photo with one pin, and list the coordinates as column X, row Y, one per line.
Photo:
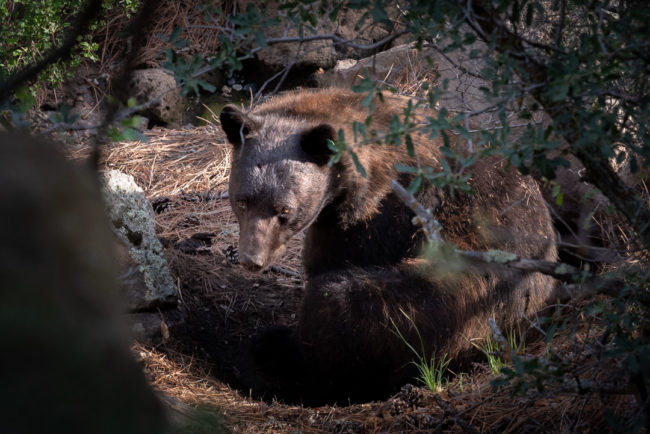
column 280, row 180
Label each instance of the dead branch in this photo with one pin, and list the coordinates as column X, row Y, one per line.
column 423, row 216
column 285, row 271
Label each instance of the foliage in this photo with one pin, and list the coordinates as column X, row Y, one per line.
column 30, row 28
column 187, row 72
column 490, row 348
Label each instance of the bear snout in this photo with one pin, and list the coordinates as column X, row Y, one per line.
column 253, row 263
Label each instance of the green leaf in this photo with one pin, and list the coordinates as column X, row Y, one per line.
column 208, row 87
column 409, row 145
column 341, row 138
column 403, row 168
column 260, row 39
column 415, row 184
column 379, row 14
column 367, row 100
column 357, row 164
column 359, row 129
column 558, row 91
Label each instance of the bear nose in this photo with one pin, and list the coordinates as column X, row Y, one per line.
column 251, row 263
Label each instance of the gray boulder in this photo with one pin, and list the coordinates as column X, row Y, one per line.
column 144, row 274
column 147, row 84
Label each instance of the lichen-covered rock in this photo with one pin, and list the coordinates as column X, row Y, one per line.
column 145, row 276
column 147, row 84
column 391, row 66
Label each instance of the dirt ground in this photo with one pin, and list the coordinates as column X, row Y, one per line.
column 207, row 362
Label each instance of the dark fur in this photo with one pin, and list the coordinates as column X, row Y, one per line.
column 360, row 237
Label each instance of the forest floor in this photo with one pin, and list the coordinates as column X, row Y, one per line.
column 207, row 361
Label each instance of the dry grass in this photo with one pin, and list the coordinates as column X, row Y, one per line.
column 414, row 76
column 478, row 404
column 182, row 377
column 179, row 14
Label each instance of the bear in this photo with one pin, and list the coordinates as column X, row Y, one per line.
column 368, row 277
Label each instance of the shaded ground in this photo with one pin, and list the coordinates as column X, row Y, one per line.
column 208, row 361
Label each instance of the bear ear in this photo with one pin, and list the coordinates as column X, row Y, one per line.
column 237, row 124
column 314, row 142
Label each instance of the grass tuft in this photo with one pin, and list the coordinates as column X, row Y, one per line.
column 491, row 349
column 432, row 369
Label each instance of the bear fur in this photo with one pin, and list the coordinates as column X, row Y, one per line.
column 362, row 254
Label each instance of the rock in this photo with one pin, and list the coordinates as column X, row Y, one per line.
column 144, row 274
column 147, row 84
column 66, row 365
column 390, row 66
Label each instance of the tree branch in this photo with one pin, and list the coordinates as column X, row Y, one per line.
column 423, row 217
column 336, row 39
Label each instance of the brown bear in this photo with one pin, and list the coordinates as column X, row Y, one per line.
column 365, row 280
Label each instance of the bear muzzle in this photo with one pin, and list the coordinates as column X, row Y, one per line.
column 259, row 262
column 259, row 244
column 253, row 263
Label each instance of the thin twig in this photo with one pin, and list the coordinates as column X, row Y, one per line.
column 285, row 271
column 423, row 217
